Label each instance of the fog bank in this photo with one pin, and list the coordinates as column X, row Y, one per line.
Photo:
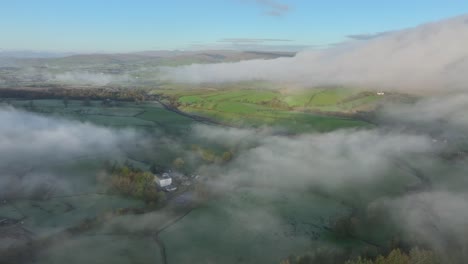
column 432, row 56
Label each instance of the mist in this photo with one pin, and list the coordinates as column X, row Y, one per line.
column 34, row 146
column 429, row 57
column 370, row 169
column 404, row 168
column 87, row 78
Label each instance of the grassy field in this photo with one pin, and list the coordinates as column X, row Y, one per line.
column 238, row 107
column 336, row 99
column 102, row 249
column 253, row 225
column 318, row 109
column 265, row 224
column 150, row 115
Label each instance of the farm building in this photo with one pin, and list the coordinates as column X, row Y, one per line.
column 163, row 180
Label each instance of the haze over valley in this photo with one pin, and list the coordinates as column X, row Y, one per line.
column 305, row 142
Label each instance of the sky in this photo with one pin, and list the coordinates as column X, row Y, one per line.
column 136, row 25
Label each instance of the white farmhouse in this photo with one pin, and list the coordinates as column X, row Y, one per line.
column 164, row 180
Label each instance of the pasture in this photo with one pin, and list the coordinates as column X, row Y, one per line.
column 146, row 115
column 254, row 225
column 294, row 111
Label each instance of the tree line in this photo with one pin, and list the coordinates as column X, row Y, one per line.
column 75, row 94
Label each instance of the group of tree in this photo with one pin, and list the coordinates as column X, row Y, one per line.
column 133, row 182
column 135, row 95
column 396, row 256
column 211, row 156
column 360, row 226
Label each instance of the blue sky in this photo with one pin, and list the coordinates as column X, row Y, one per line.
column 132, row 25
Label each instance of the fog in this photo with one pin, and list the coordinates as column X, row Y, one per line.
column 71, row 76
column 437, row 218
column 371, row 169
column 87, row 78
column 429, row 57
column 400, row 168
column 31, row 146
column 335, row 160
column 32, row 137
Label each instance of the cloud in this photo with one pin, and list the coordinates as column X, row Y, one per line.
column 441, row 112
column 31, row 146
column 425, row 58
column 334, row 161
column 32, row 54
column 272, row 7
column 251, row 40
column 30, row 135
column 438, row 218
column 70, row 77
column 251, row 46
column 372, row 169
column 87, row 78
column 355, row 168
column 367, row 36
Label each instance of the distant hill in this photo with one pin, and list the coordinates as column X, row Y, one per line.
column 139, row 69
column 153, row 57
column 216, row 53
column 32, row 54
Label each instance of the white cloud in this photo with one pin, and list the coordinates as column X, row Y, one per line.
column 430, row 56
column 87, row 78
column 32, row 145
column 274, row 8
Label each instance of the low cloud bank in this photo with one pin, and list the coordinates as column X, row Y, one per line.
column 31, row 146
column 28, row 75
column 336, row 160
column 401, row 169
column 32, row 137
column 428, row 57
column 398, row 168
column 438, row 218
column 87, row 78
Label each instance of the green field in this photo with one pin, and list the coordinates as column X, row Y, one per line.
column 265, row 225
column 321, row 99
column 241, row 108
column 252, row 225
column 320, row 109
column 150, row 115
column 102, row 249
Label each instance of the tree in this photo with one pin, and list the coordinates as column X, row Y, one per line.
column 423, row 256
column 178, row 163
column 396, row 256
column 227, row 156
column 156, row 168
column 320, row 255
